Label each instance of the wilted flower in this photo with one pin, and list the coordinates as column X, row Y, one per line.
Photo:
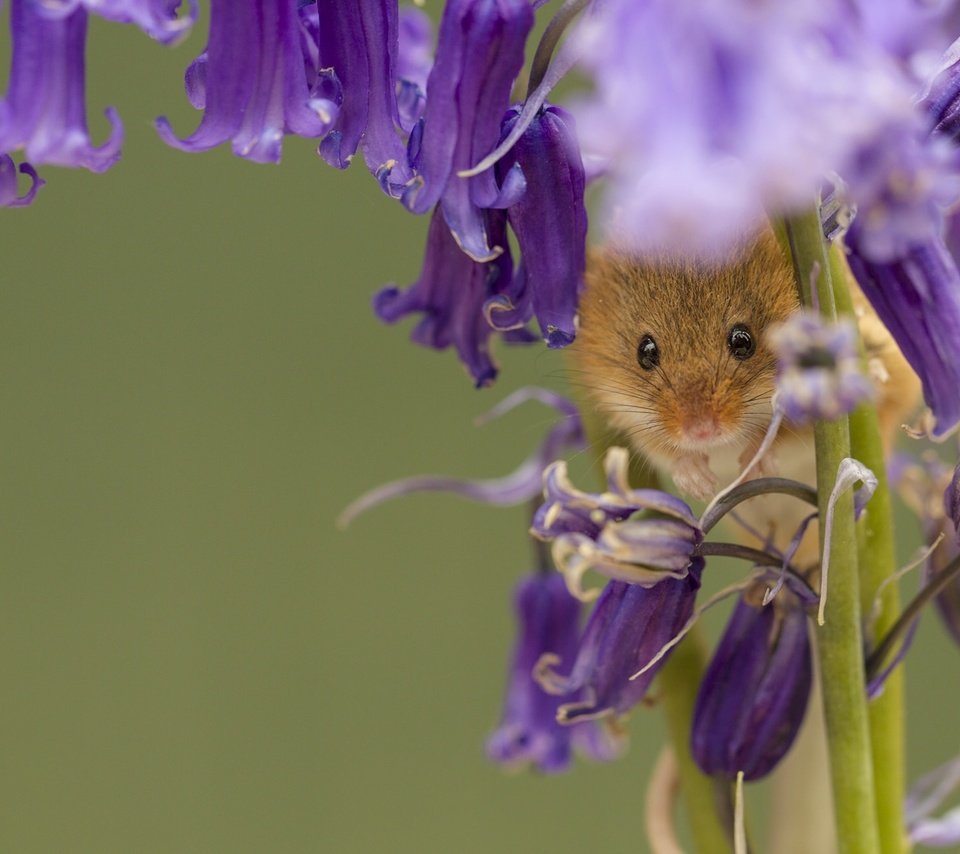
column 754, row 693
column 629, row 626
column 819, row 372
column 252, row 84
column 44, row 111
column 549, row 622
column 9, row 197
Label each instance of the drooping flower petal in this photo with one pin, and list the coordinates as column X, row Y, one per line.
column 479, row 54
column 628, row 627
column 414, row 61
column 359, row 42
column 550, row 219
column 549, row 622
column 926, row 796
column 451, row 293
column 255, row 88
column 9, row 196
column 44, row 111
column 917, row 297
column 818, row 374
column 159, row 19
column 754, row 693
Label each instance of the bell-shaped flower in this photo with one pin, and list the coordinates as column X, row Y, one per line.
column 44, row 111
column 159, row 19
column 818, row 370
column 9, row 194
column 754, row 693
column 629, row 627
column 414, row 61
column 252, row 84
column 549, row 219
column 450, row 294
column 479, row 54
column 595, row 531
column 358, row 41
column 548, row 620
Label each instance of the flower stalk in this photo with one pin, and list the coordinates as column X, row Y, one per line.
column 839, row 640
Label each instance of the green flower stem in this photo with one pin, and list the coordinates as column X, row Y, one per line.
column 839, row 640
column 877, row 561
column 707, row 799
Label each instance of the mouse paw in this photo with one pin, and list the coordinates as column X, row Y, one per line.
column 766, row 466
column 692, row 476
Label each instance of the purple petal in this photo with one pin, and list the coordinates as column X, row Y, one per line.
column 360, row 41
column 8, row 183
column 255, row 87
column 917, row 297
column 159, row 19
column 44, row 110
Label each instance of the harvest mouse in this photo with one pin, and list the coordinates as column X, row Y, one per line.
column 675, row 356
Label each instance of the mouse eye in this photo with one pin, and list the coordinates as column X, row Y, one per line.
column 648, row 354
column 741, row 343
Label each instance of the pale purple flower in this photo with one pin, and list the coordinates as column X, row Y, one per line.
column 925, row 797
column 818, row 370
column 754, row 693
column 44, row 110
column 159, row 19
column 628, row 628
column 550, row 221
column 479, row 54
column 450, row 295
column 709, row 113
column 9, row 194
column 252, row 83
column 359, row 42
column 548, row 619
column 414, row 61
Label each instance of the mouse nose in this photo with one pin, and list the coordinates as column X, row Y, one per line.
column 702, row 430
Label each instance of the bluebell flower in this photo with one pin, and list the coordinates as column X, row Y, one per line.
column 818, row 368
column 548, row 619
column 629, row 626
column 159, row 19
column 549, row 219
column 359, row 41
column 44, row 110
column 414, row 61
column 928, row 795
column 252, row 84
column 479, row 54
column 450, row 294
column 595, row 531
column 9, row 194
column 755, row 690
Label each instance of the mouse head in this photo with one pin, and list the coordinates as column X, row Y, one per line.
column 674, row 351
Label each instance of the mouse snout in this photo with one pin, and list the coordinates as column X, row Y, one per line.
column 703, row 428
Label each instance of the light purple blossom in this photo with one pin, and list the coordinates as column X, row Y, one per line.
column 252, row 84
column 818, row 374
column 159, row 19
column 44, row 111
column 925, row 797
column 629, row 626
column 9, row 194
column 479, row 54
column 414, row 61
column 548, row 619
column 754, row 693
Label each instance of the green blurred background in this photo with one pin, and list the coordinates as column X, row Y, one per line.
column 193, row 657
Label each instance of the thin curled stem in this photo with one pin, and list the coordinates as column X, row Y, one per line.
column 550, row 39
column 753, row 488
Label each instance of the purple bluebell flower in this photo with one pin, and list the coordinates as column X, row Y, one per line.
column 451, row 293
column 754, row 693
column 594, row 531
column 414, row 61
column 917, row 297
column 709, row 113
column 252, row 83
column 941, row 98
column 818, row 371
column 359, row 42
column 479, row 54
column 44, row 110
column 928, row 795
column 548, row 620
column 9, row 194
column 629, row 626
column 159, row 19
column 550, row 219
